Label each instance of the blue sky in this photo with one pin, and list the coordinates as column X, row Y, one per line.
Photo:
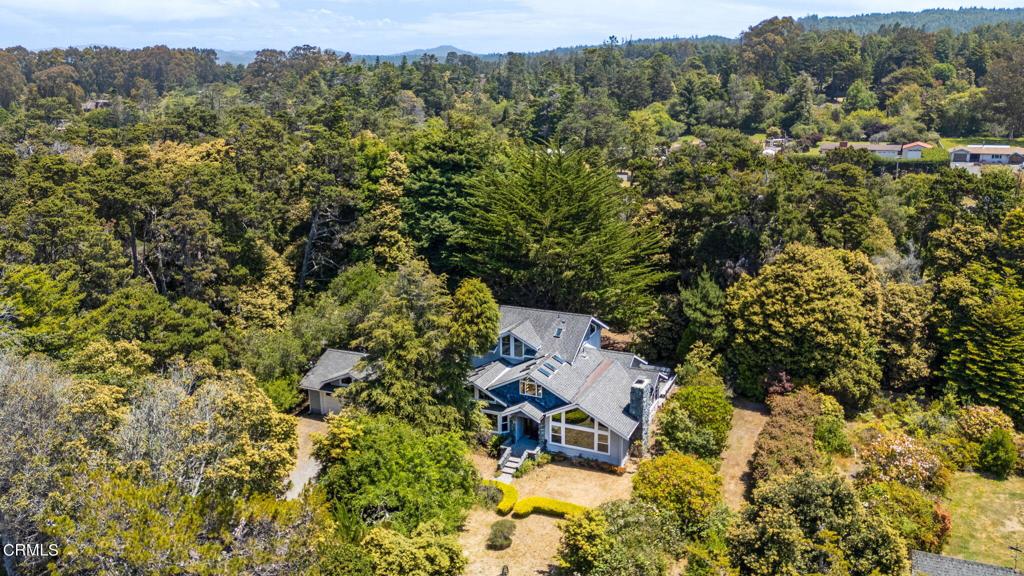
column 389, row 26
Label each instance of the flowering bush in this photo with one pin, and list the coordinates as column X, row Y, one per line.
column 900, row 458
column 977, row 422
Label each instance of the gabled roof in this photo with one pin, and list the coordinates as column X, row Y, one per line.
column 917, row 144
column 331, row 365
column 525, row 332
column 598, row 382
column 529, row 410
column 543, row 324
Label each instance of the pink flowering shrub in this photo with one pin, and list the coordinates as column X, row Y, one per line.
column 900, row 458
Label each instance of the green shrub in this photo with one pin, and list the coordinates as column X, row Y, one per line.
column 697, row 418
column 283, row 392
column 831, row 407
column 920, row 519
column 977, row 422
column 541, row 460
column 620, row 537
column 494, row 444
column 546, row 506
column 489, row 495
column 501, row 534
column 998, row 454
column 509, row 496
column 959, row 452
column 1018, row 440
column 682, row 485
column 830, row 436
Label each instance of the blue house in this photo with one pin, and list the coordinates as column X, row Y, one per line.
column 547, row 385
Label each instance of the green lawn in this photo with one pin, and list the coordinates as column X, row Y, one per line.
column 988, row 516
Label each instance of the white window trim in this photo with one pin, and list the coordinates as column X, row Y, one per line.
column 551, row 423
column 512, row 347
column 540, row 389
column 503, row 422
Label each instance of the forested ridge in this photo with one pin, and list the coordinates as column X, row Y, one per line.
column 180, row 240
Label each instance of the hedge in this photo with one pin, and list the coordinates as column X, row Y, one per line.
column 509, row 496
column 547, row 506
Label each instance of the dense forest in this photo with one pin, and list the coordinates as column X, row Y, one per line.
column 180, row 239
column 933, row 20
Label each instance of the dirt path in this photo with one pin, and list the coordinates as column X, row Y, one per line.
column 306, row 466
column 748, row 418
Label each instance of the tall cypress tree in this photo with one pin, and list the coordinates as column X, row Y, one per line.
column 550, row 229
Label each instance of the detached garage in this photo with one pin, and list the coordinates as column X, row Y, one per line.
column 334, row 371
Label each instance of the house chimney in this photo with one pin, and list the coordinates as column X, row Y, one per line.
column 640, row 408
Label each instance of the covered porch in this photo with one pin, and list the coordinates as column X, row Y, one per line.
column 525, row 423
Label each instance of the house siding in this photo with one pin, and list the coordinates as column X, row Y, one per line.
column 509, row 394
column 324, row 404
column 618, row 450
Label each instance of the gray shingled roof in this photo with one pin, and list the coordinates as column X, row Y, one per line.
column 332, row 364
column 927, row 564
column 526, row 408
column 544, row 324
column 598, row 381
column 606, row 397
column 525, row 332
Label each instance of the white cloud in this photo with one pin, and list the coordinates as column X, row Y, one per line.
column 139, row 10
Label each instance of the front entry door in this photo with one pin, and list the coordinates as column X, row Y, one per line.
column 530, row 429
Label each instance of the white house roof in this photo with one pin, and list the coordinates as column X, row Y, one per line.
column 996, row 149
column 332, row 365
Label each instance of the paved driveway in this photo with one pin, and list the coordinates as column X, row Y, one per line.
column 306, row 466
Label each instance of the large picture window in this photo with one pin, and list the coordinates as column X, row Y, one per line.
column 577, row 429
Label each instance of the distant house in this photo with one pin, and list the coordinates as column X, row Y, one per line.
column 927, row 564
column 914, row 150
column 775, row 146
column 90, row 105
column 548, row 385
column 334, row 371
column 911, row 151
column 986, row 154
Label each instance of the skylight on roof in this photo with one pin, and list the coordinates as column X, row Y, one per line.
column 543, row 371
column 558, row 332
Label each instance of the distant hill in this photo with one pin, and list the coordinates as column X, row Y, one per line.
column 961, row 20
